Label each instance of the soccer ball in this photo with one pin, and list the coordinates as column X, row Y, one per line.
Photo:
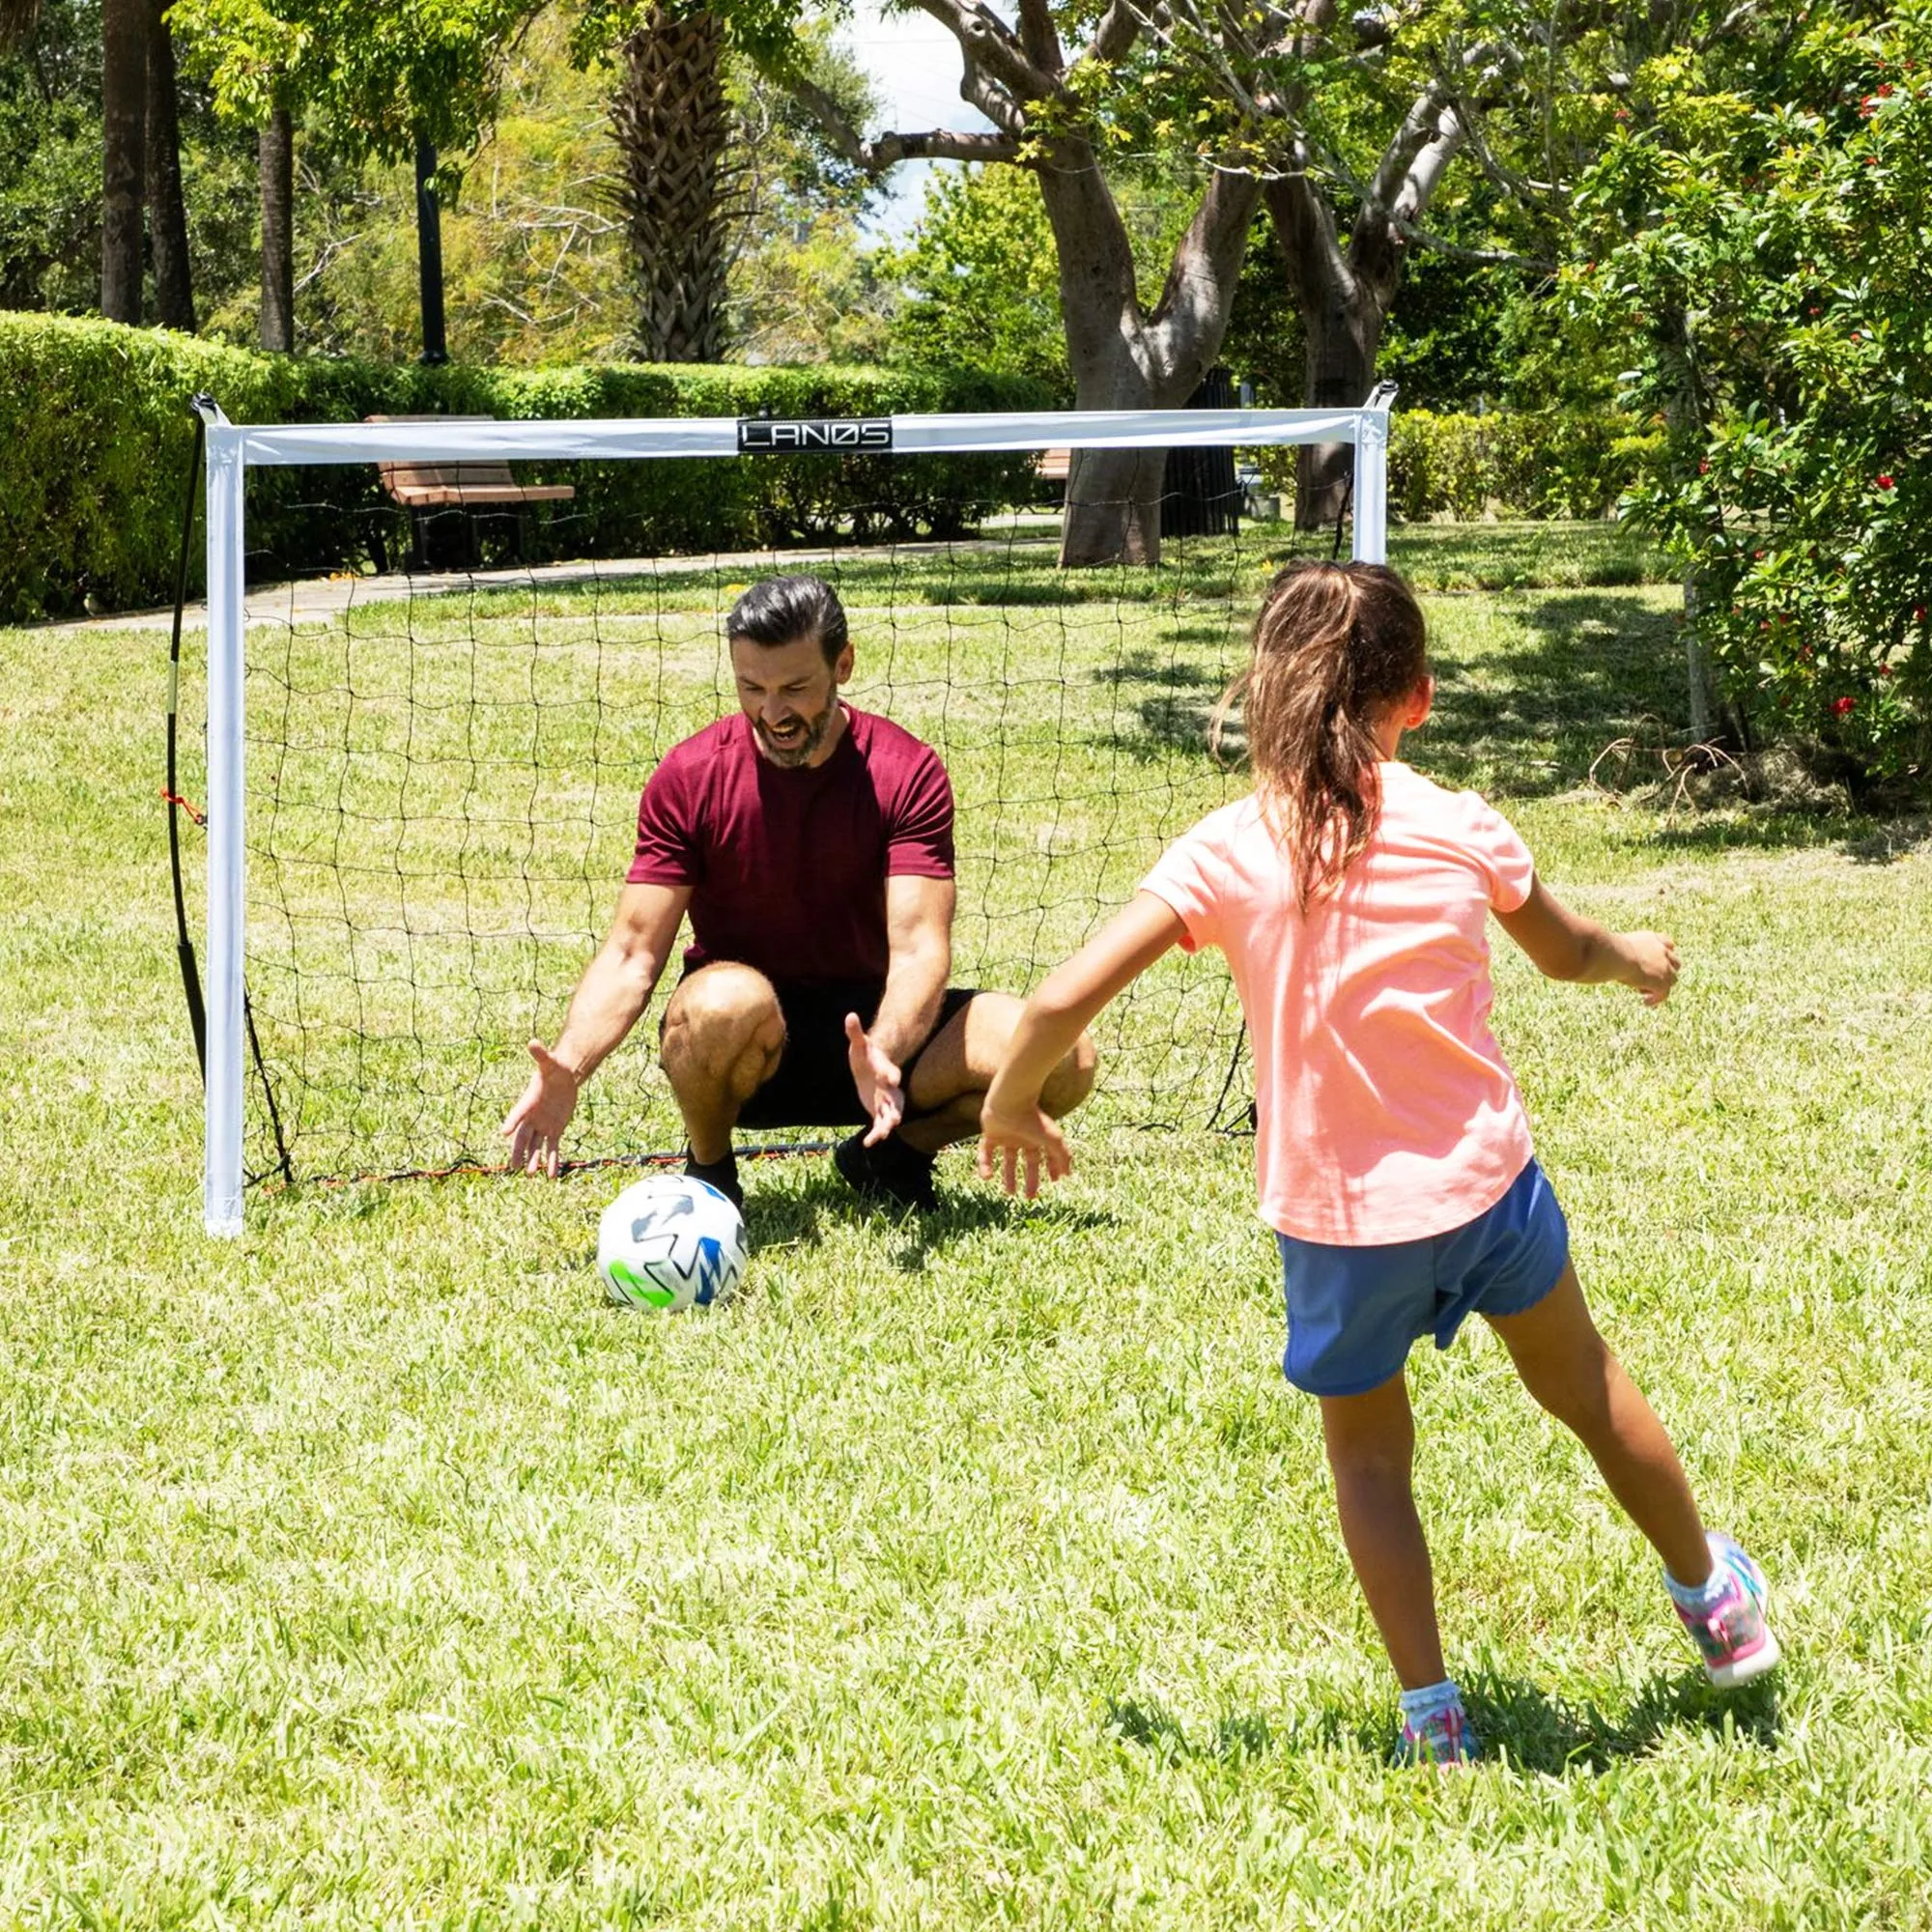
column 669, row 1242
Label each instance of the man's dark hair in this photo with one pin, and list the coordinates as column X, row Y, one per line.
column 781, row 609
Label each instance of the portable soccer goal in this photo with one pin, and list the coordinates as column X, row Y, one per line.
column 444, row 655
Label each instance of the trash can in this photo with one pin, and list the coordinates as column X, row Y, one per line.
column 1199, row 494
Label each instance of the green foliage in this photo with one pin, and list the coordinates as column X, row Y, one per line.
column 980, row 280
column 51, row 164
column 371, row 78
column 1551, row 462
column 1762, row 229
column 96, row 441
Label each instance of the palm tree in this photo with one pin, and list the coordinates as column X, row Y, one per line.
column 673, row 124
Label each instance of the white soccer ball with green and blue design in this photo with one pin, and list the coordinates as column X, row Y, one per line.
column 669, row 1242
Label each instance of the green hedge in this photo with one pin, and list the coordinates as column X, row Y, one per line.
column 1556, row 462
column 95, row 439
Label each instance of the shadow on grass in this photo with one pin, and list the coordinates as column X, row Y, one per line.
column 1584, row 669
column 1517, row 1722
column 793, row 1220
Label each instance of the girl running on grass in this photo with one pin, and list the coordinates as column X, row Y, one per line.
column 1351, row 897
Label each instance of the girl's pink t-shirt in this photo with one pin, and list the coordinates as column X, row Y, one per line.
column 1385, row 1109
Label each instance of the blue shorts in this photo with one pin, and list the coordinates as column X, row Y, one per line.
column 1353, row 1313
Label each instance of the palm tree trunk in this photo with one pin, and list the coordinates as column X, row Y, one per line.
column 278, row 151
column 123, row 92
column 672, row 125
column 168, row 214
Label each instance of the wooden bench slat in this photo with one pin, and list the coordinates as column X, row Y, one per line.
column 424, row 486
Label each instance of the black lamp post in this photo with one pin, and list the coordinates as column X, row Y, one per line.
column 429, row 252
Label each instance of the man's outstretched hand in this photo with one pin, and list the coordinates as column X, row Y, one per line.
column 1011, row 1137
column 534, row 1127
column 877, row 1078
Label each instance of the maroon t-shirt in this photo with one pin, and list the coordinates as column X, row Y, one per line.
column 787, row 869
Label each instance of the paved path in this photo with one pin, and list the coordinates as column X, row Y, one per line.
column 321, row 599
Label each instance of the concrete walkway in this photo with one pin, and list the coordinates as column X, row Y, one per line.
column 321, row 599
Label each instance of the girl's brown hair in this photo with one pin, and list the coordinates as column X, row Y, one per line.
column 1336, row 646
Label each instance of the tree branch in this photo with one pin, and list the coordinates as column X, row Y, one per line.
column 979, row 90
column 1424, row 174
column 988, row 42
column 1040, row 38
column 1192, row 313
column 1115, row 33
column 1496, row 257
column 875, row 156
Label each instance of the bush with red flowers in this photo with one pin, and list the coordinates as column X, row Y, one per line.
column 1758, row 242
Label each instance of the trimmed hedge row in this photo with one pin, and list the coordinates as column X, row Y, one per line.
column 95, row 439
column 1545, row 464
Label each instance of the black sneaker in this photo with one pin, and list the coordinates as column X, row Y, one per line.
column 721, row 1174
column 888, row 1173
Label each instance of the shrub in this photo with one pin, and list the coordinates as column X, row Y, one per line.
column 1763, row 263
column 95, row 439
column 1556, row 462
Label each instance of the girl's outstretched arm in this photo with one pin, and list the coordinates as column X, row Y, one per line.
column 1012, row 1121
column 1564, row 945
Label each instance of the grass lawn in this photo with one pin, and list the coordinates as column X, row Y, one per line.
column 370, row 1570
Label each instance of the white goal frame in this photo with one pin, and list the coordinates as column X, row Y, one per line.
column 233, row 448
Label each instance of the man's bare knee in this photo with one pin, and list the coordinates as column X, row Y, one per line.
column 1072, row 1080
column 721, row 1017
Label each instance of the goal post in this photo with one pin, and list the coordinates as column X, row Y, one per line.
column 236, row 450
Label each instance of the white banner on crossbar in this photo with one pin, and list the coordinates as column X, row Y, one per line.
column 459, row 440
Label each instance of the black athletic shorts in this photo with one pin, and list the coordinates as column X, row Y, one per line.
column 813, row 1087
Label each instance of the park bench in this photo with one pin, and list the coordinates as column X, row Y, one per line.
column 423, row 488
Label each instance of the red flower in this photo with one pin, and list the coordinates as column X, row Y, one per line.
column 1840, row 706
column 1919, row 613
column 1885, row 670
column 1885, row 482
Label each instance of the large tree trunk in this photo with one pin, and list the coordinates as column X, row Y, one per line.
column 1343, row 303
column 673, row 124
column 17, row 19
column 123, row 92
column 1344, row 295
column 1342, row 333
column 276, row 148
column 167, row 214
column 1123, row 359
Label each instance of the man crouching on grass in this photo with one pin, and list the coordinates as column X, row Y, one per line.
column 812, row 845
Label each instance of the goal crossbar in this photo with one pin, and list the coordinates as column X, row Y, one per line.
column 233, row 449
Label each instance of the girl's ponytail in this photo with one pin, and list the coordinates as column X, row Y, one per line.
column 1336, row 645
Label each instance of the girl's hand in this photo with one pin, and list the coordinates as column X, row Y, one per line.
column 1653, row 965
column 1011, row 1134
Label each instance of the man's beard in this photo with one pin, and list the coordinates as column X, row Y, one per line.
column 798, row 749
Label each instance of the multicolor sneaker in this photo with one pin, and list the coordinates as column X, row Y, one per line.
column 1729, row 1630
column 1442, row 1738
